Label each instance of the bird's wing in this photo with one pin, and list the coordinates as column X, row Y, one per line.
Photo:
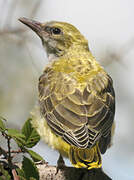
column 81, row 118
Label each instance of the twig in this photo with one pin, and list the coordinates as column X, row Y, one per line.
column 16, row 151
column 35, row 9
column 9, row 152
column 11, row 11
column 12, row 31
column 118, row 55
column 16, row 177
column 70, row 173
column 17, row 30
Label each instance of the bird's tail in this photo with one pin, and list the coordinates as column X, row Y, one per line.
column 87, row 158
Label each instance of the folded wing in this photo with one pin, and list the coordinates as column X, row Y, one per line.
column 81, row 118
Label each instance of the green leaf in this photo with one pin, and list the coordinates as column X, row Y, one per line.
column 22, row 178
column 21, row 174
column 31, row 178
column 15, row 133
column 17, row 136
column 36, row 157
column 29, row 169
column 32, row 137
column 2, row 125
column 5, row 173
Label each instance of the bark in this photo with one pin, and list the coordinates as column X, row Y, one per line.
column 70, row 173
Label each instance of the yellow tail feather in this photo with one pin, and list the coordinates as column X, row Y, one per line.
column 87, row 158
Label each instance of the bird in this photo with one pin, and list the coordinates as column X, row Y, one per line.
column 76, row 96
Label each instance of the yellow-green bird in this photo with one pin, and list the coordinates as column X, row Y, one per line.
column 76, row 96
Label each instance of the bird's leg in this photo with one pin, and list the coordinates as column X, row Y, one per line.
column 60, row 163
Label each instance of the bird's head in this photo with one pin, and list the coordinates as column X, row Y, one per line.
column 57, row 37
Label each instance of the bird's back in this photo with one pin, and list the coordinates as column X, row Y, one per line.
column 78, row 105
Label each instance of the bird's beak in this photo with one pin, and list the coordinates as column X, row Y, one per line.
column 34, row 25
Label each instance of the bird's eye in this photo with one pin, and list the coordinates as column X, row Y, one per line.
column 56, row 31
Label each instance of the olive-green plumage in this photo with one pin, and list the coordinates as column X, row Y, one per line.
column 76, row 95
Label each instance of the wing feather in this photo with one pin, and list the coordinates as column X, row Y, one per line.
column 80, row 117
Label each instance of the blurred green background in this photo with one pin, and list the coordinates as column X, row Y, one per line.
column 109, row 28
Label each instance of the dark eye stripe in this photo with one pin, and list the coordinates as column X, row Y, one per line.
column 47, row 29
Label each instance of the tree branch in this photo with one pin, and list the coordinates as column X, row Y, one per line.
column 70, row 173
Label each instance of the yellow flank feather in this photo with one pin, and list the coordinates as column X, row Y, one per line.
column 47, row 135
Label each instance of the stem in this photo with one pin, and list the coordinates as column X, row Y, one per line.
column 9, row 152
column 16, row 177
column 16, row 151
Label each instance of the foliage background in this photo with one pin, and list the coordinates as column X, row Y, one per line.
column 109, row 28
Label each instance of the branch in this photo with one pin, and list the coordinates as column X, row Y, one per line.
column 70, row 173
column 12, row 31
column 113, row 55
column 36, row 8
column 7, row 27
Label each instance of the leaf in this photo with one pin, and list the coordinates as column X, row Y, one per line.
column 36, row 157
column 2, row 118
column 17, row 136
column 15, row 133
column 2, row 125
column 22, row 178
column 5, row 173
column 32, row 137
column 21, row 174
column 29, row 169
